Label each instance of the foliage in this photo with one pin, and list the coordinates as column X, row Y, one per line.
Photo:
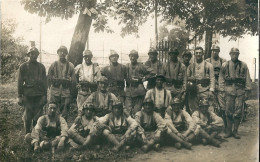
column 13, row 53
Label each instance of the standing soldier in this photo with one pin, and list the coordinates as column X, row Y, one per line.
column 102, row 99
column 86, row 77
column 116, row 75
column 136, row 74
column 201, row 80
column 217, row 62
column 161, row 97
column 32, row 89
column 61, row 77
column 234, row 80
column 175, row 73
column 155, row 64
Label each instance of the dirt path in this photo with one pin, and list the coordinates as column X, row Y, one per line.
column 244, row 150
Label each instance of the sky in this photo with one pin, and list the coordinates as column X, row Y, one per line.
column 59, row 32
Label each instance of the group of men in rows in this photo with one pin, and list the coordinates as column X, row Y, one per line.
column 113, row 104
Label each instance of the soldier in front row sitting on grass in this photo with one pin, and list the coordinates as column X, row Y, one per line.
column 121, row 127
column 51, row 130
column 153, row 128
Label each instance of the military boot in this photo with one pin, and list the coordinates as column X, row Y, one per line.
column 178, row 139
column 120, row 145
column 223, row 115
column 228, row 132
column 236, row 125
column 190, row 137
column 111, row 138
column 213, row 141
column 77, row 138
column 148, row 146
column 36, row 147
column 88, row 141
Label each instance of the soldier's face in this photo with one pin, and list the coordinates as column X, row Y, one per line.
column 199, row 55
column 114, row 58
column 234, row 56
column 118, row 111
column 153, row 57
column 148, row 108
column 133, row 58
column 159, row 82
column 177, row 108
column 186, row 59
column 33, row 56
column 88, row 112
column 215, row 53
column 102, row 86
column 52, row 111
column 62, row 55
column 88, row 59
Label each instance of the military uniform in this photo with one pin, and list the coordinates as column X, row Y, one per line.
column 32, row 89
column 87, row 79
column 234, row 80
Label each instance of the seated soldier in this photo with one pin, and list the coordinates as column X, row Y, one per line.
column 208, row 122
column 154, row 127
column 179, row 121
column 85, row 130
column 51, row 130
column 121, row 127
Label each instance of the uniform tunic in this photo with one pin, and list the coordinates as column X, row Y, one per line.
column 157, row 67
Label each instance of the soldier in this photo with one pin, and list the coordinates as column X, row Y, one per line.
column 116, row 75
column 155, row 64
column 85, row 130
column 136, row 74
column 201, row 80
column 51, row 130
column 121, row 127
column 175, row 73
column 161, row 97
column 186, row 56
column 179, row 121
column 217, row 62
column 208, row 121
column 102, row 99
column 61, row 77
column 32, row 89
column 234, row 80
column 154, row 127
column 86, row 77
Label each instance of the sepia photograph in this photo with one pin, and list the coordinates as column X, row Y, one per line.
column 129, row 80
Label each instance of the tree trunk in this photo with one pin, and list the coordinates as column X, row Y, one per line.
column 80, row 36
column 208, row 43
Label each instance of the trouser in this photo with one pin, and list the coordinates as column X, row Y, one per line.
column 33, row 110
column 194, row 100
column 63, row 104
column 222, row 106
column 53, row 141
column 133, row 104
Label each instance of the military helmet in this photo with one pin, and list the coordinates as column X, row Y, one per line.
column 148, row 100
column 234, row 50
column 160, row 76
column 89, row 105
column 87, row 53
column 176, row 101
column 117, row 104
column 33, row 49
column 102, row 79
column 204, row 102
column 152, row 51
column 216, row 48
column 173, row 51
column 112, row 53
column 133, row 52
column 52, row 105
column 63, row 49
column 186, row 53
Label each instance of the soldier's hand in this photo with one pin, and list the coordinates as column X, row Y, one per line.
column 20, row 101
column 60, row 145
column 144, row 138
column 78, row 86
column 181, row 135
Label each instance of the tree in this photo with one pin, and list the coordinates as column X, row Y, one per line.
column 221, row 16
column 13, row 54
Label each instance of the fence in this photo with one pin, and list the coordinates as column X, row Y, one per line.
column 163, row 49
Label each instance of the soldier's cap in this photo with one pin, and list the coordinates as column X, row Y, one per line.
column 186, row 53
column 113, row 52
column 33, row 50
column 160, row 76
column 87, row 53
column 173, row 51
column 216, row 48
column 152, row 51
column 89, row 105
column 147, row 100
column 133, row 52
column 117, row 104
column 176, row 101
column 63, row 49
column 234, row 50
column 204, row 102
column 102, row 79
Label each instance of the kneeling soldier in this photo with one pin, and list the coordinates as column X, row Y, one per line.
column 208, row 121
column 85, row 130
column 122, row 128
column 51, row 130
column 179, row 121
column 154, row 127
